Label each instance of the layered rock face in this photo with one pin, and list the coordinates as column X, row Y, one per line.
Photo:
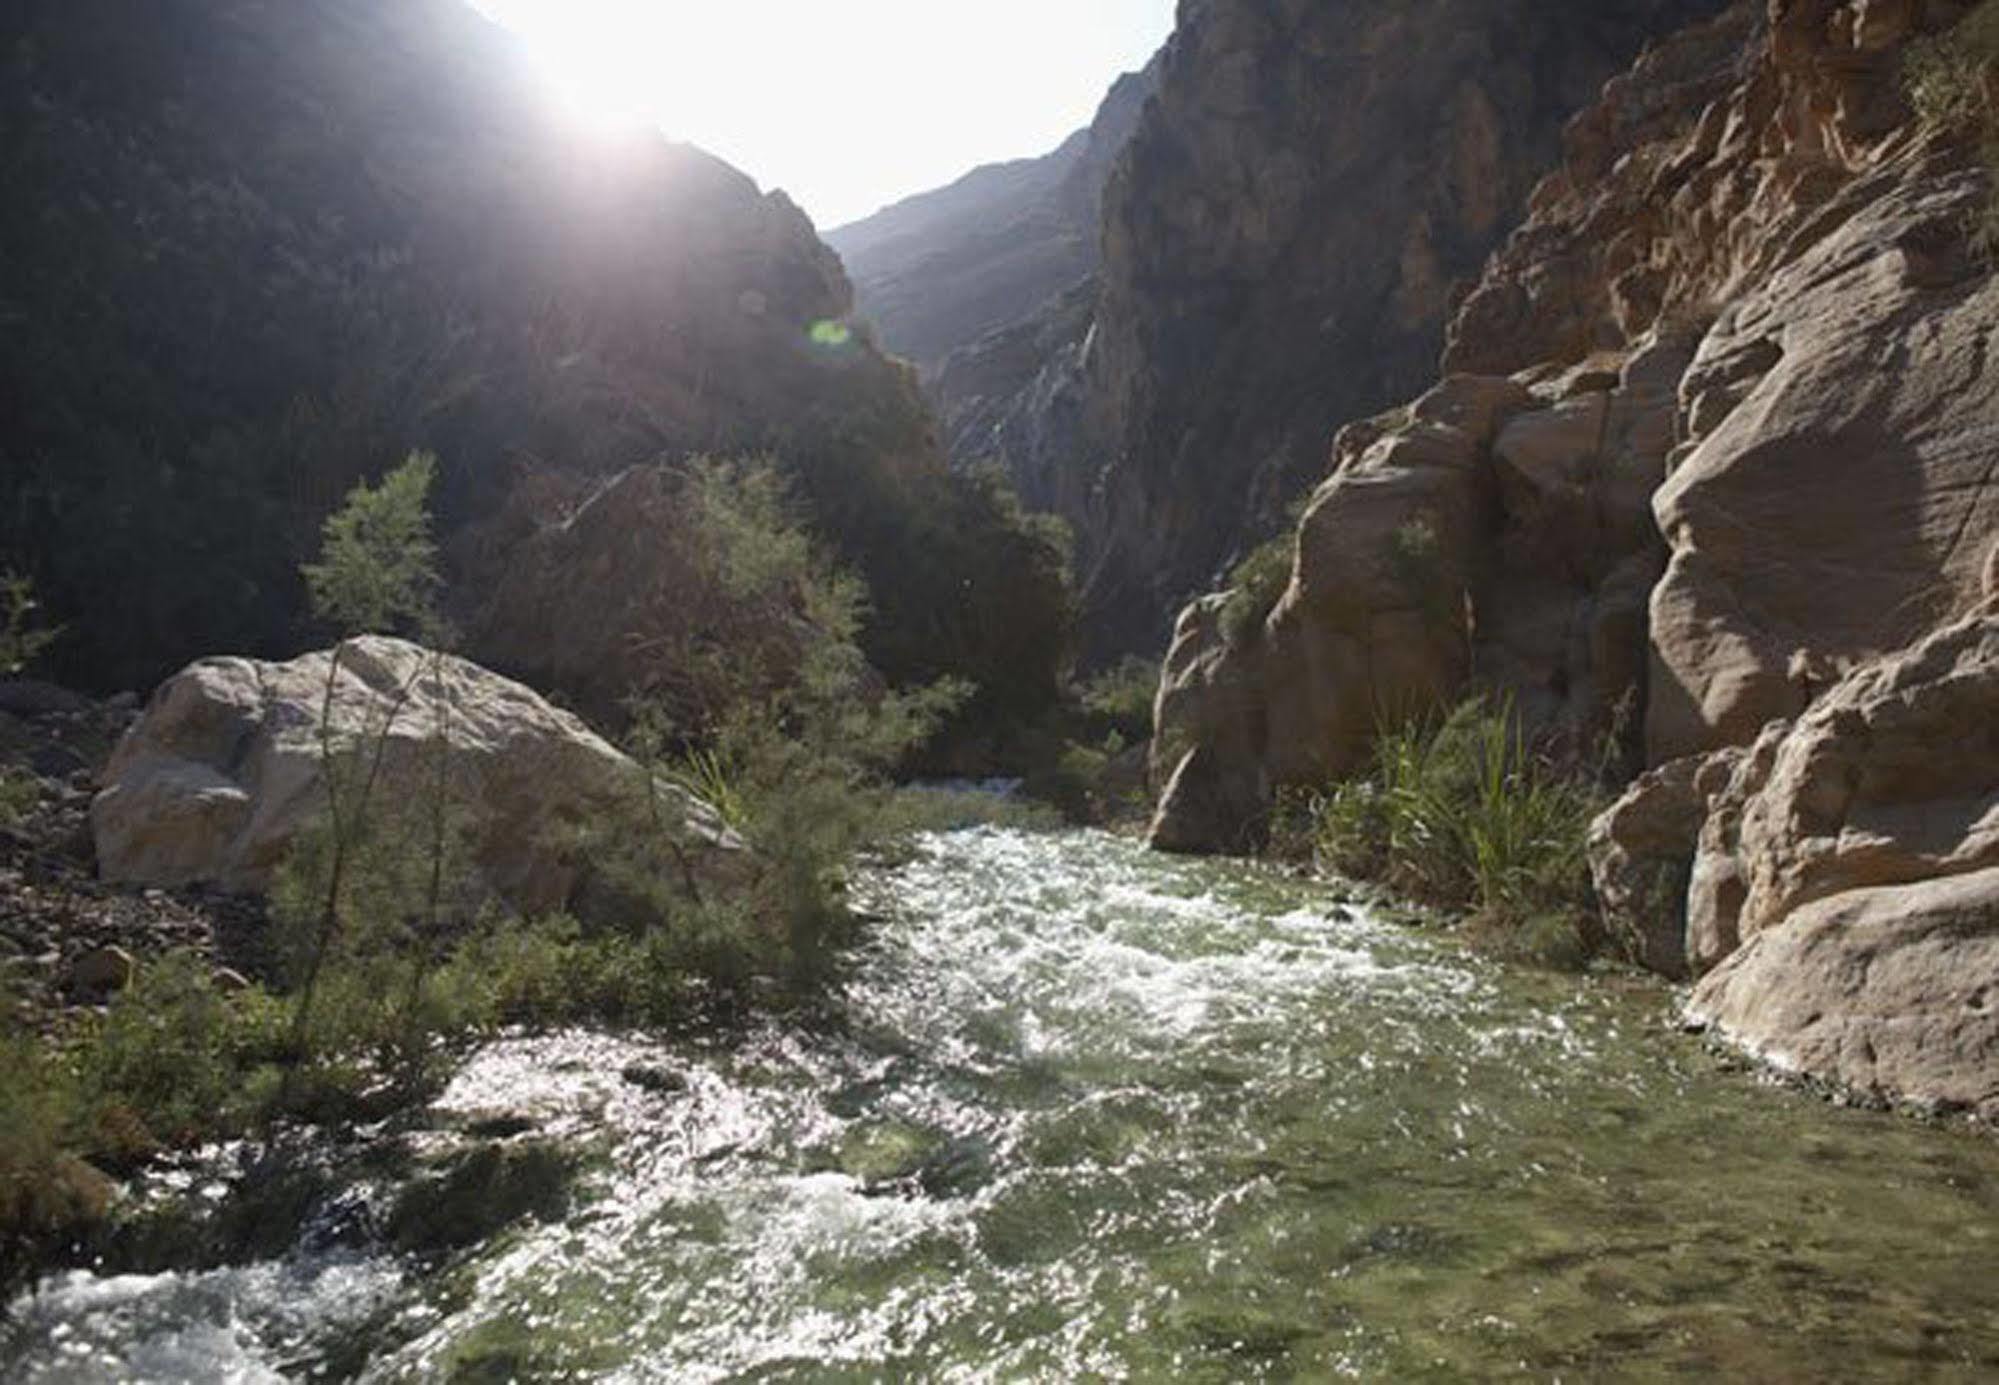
column 1845, row 884
column 227, row 767
column 1742, row 458
column 939, row 271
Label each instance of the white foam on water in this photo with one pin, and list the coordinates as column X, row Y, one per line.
column 237, row 1325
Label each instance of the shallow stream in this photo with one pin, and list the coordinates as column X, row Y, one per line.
column 1088, row 1113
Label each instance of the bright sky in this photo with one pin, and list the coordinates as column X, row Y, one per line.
column 845, row 104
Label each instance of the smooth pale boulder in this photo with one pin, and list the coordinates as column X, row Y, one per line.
column 223, row 771
column 1845, row 891
column 1892, row 991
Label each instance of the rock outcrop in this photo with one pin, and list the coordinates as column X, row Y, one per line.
column 1846, row 880
column 1892, row 778
column 226, row 767
column 1889, row 991
column 1641, row 854
column 1495, row 530
column 1736, row 507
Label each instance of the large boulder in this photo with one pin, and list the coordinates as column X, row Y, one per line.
column 1846, row 886
column 1494, row 529
column 1213, row 794
column 226, row 768
column 1892, row 991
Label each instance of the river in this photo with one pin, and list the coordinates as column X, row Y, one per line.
column 1088, row 1113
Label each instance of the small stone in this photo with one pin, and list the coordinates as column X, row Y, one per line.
column 102, row 970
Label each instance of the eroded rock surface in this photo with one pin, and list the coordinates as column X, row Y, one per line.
column 1739, row 517
column 1890, row 990
column 225, row 769
column 1641, row 852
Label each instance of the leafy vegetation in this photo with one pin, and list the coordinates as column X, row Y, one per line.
column 1952, row 79
column 377, row 569
column 1256, row 585
column 23, row 637
column 1459, row 812
column 1118, row 702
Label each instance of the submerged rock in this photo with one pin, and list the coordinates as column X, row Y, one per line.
column 226, row 768
column 480, row 1192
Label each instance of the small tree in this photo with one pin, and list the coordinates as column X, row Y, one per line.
column 376, row 574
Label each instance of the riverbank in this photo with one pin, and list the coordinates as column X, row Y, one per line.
column 1077, row 1108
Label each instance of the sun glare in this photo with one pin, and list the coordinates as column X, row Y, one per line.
column 608, row 63
column 845, row 104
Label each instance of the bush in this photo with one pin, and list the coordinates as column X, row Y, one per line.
column 1255, row 587
column 20, row 791
column 1460, row 813
column 1952, row 80
column 22, row 635
column 1118, row 702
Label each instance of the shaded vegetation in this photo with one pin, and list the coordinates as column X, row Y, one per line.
column 256, row 253
column 1460, row 812
column 1255, row 586
column 1952, row 79
column 23, row 637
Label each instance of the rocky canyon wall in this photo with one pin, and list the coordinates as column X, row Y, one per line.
column 1282, row 242
column 1710, row 469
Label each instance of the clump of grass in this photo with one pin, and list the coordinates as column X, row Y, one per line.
column 1460, row 813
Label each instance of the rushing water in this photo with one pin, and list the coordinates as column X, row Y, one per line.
column 1092, row 1114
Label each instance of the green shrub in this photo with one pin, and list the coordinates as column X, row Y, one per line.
column 19, row 793
column 1460, row 813
column 1119, row 700
column 48, row 1196
column 1952, row 80
column 1255, row 587
column 165, row 1066
column 22, row 635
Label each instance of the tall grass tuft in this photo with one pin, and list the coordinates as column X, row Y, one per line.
column 1461, row 813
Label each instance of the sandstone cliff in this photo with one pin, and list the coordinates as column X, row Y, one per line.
column 1714, row 444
